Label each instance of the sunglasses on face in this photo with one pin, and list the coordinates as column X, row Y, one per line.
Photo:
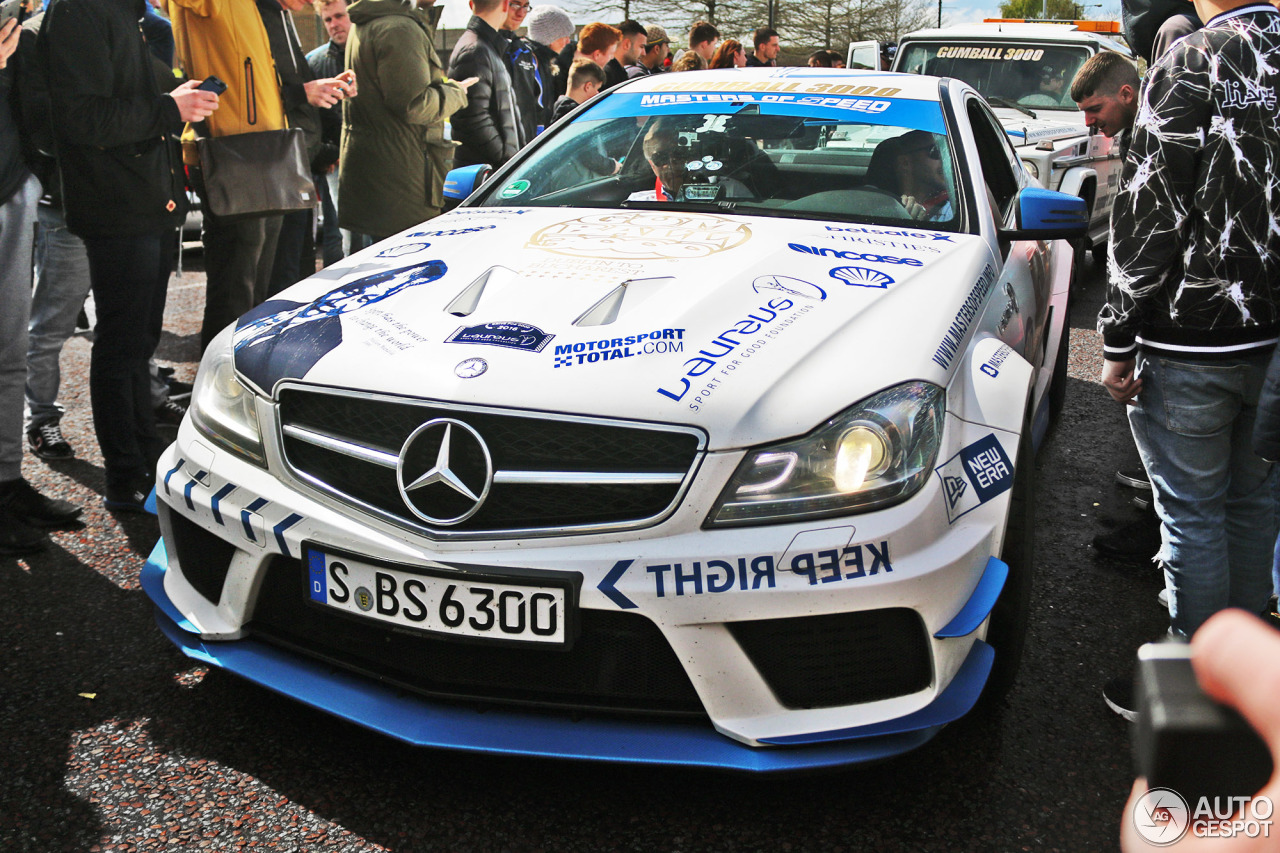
column 663, row 156
column 520, row 6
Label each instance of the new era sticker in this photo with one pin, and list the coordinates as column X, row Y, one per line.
column 974, row 476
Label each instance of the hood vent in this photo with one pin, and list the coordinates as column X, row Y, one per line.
column 606, row 310
column 466, row 302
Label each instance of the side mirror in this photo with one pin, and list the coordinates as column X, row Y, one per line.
column 1048, row 215
column 460, row 183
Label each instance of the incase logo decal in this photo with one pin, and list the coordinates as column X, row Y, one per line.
column 843, row 254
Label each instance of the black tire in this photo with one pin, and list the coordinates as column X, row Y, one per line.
column 1100, row 253
column 1007, row 632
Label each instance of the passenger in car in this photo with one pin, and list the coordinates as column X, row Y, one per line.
column 674, row 163
column 909, row 167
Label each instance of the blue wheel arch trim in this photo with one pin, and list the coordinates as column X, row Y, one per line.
column 421, row 722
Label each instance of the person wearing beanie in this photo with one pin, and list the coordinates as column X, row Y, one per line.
column 654, row 57
column 549, row 32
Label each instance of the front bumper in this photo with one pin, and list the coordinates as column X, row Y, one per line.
column 421, row 722
column 942, row 575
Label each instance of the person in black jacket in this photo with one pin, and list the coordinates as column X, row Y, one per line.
column 630, row 46
column 327, row 61
column 531, row 91
column 1193, row 306
column 489, row 127
column 304, row 96
column 124, row 195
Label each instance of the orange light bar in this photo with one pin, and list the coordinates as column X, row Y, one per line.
column 1109, row 27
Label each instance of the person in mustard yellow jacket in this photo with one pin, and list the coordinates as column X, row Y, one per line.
column 394, row 151
column 226, row 39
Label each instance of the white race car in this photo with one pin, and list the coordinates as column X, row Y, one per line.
column 701, row 433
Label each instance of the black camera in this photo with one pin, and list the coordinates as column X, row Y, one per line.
column 1187, row 742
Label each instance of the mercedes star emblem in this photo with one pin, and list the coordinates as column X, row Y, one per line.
column 445, row 471
column 471, row 368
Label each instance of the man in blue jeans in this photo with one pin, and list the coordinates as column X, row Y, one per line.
column 1193, row 307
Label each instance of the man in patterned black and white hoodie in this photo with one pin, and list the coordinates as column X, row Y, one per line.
column 1193, row 306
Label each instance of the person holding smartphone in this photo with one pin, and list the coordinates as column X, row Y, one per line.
column 124, row 194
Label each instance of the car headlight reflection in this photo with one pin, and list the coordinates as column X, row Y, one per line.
column 872, row 455
column 222, row 407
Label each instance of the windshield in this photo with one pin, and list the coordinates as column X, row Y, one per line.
column 847, row 157
column 1029, row 75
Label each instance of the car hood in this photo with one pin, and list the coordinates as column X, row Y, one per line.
column 1047, row 125
column 754, row 329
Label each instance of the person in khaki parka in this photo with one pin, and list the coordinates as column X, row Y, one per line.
column 394, row 150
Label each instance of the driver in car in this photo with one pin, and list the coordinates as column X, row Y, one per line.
column 909, row 167
column 679, row 175
column 1053, row 82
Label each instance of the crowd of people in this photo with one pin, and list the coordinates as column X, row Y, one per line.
column 96, row 199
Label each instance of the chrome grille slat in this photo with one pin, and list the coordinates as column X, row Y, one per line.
column 378, row 456
column 552, row 474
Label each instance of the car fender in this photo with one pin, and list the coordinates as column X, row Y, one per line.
column 1074, row 179
column 991, row 387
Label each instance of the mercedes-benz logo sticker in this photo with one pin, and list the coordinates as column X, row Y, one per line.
column 471, row 368
column 444, row 472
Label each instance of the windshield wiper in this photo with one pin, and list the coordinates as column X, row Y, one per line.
column 1013, row 105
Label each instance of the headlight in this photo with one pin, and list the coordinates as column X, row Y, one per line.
column 877, row 453
column 222, row 407
column 1032, row 168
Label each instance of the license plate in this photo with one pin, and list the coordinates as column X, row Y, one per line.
column 521, row 609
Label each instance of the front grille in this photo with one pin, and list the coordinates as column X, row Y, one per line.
column 840, row 658
column 619, row 662
column 204, row 557
column 552, row 474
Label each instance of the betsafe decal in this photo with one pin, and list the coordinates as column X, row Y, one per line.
column 281, row 339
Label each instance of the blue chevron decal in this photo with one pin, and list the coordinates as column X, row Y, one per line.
column 248, row 511
column 175, row 469
column 217, row 499
column 279, row 529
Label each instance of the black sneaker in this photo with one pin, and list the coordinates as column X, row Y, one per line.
column 47, row 442
column 33, row 509
column 130, row 499
column 1135, row 478
column 170, row 413
column 18, row 538
column 178, row 391
column 1118, row 693
column 1139, row 539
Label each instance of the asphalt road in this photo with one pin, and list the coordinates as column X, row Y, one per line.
column 114, row 741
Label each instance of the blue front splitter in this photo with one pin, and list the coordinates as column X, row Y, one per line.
column 422, row 722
